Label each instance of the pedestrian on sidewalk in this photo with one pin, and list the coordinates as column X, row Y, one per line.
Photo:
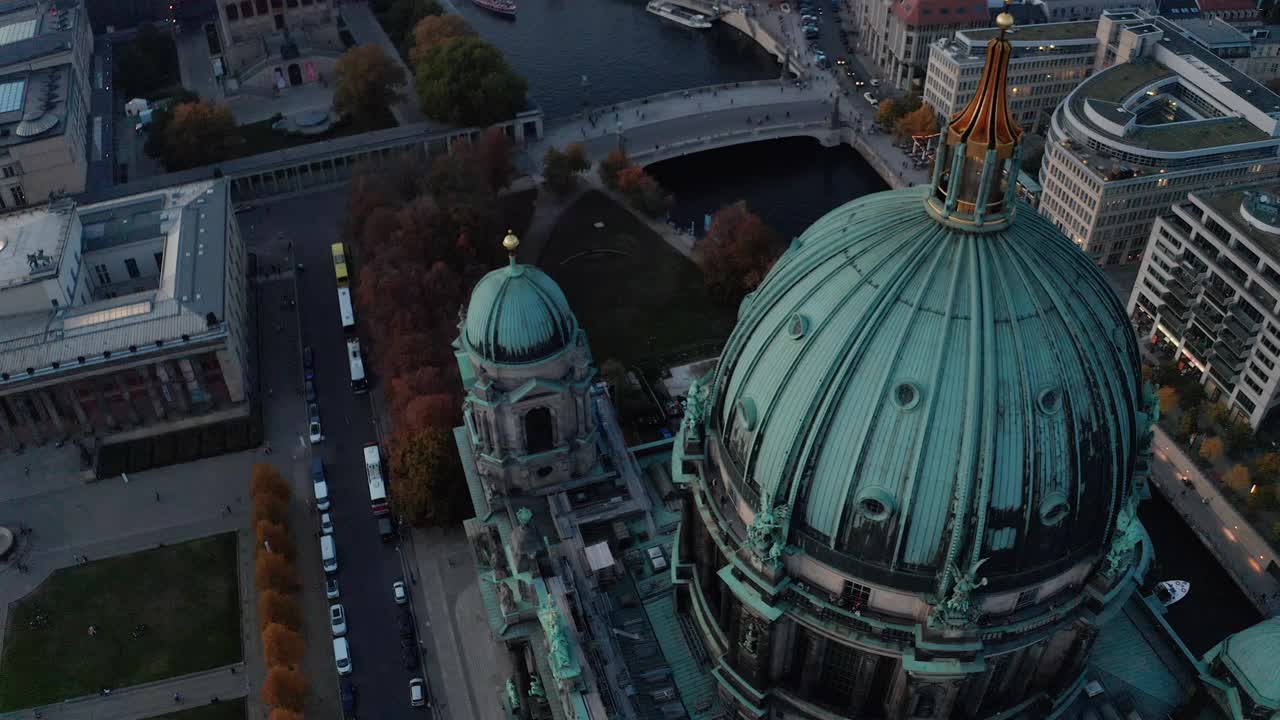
column 227, row 508
column 157, row 496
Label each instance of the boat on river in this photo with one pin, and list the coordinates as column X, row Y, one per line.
column 677, row 14
column 501, row 7
column 1171, row 591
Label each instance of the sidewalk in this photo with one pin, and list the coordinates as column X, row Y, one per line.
column 1243, row 553
column 226, row 683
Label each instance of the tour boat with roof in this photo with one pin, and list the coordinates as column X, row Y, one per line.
column 677, row 14
column 506, row 8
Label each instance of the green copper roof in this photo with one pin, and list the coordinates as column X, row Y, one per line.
column 1251, row 656
column 517, row 314
column 922, row 395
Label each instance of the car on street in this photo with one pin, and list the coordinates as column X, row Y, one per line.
column 338, row 619
column 869, row 97
column 409, row 651
column 399, row 592
column 417, row 693
column 331, row 589
column 842, row 60
column 316, row 434
column 313, row 412
column 406, row 622
column 308, row 363
column 326, row 524
column 310, row 391
column 347, row 691
column 342, row 655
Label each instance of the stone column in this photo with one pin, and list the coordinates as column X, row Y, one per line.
column 52, row 410
column 814, row 660
column 73, row 399
column 1026, row 669
column 127, row 396
column 148, row 382
column 864, row 674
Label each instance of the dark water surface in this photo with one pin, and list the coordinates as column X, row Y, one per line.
column 624, row 51
column 788, row 183
column 1215, row 607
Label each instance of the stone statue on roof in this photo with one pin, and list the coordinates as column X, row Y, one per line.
column 958, row 609
column 560, row 653
column 535, row 688
column 767, row 533
column 695, row 411
column 1128, row 534
column 513, row 695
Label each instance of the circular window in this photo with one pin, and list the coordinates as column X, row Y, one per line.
column 875, row 503
column 1054, row 508
column 797, row 326
column 906, row 396
column 1049, row 402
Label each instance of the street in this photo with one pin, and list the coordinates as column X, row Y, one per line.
column 367, row 567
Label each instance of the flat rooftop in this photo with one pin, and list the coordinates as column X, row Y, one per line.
column 31, row 30
column 39, row 234
column 192, row 223
column 1227, row 204
column 34, row 105
column 1214, row 32
column 1045, row 32
column 1254, row 92
column 1118, row 82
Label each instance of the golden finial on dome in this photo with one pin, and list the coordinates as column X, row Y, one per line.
column 1004, row 21
column 511, row 242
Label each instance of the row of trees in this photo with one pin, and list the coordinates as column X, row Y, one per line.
column 560, row 169
column 640, row 190
column 276, row 578
column 907, row 117
column 420, row 240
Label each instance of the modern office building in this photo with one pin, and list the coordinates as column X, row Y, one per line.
column 1209, row 289
column 122, row 316
column 897, row 35
column 275, row 44
column 45, row 50
column 1165, row 117
column 1048, row 61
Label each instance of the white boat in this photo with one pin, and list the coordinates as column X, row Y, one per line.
column 1171, row 591
column 677, row 14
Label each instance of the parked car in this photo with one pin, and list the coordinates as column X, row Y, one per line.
column 310, row 389
column 406, row 622
column 875, row 82
column 331, row 588
column 869, row 97
column 399, row 592
column 308, row 363
column 316, row 434
column 842, row 60
column 313, row 412
column 326, row 523
column 338, row 619
column 386, row 530
column 342, row 655
column 347, row 690
column 417, row 693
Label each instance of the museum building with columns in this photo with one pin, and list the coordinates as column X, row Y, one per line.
column 911, row 481
column 122, row 318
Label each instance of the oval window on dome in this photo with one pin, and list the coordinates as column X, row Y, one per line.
column 1049, row 401
column 875, row 503
column 906, row 395
column 745, row 409
column 1054, row 508
column 797, row 326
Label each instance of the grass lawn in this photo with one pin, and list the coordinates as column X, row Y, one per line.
column 186, row 594
column 636, row 297
column 224, row 710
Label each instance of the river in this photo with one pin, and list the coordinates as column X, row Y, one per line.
column 623, row 51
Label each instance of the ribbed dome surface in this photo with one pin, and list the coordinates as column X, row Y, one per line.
column 920, row 394
column 1251, row 655
column 518, row 314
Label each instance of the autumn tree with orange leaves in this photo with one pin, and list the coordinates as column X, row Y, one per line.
column 281, row 646
column 737, row 252
column 275, row 607
column 284, row 688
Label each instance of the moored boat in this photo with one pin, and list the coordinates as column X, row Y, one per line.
column 677, row 14
column 501, row 7
column 1171, row 591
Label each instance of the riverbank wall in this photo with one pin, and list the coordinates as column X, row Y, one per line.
column 753, row 29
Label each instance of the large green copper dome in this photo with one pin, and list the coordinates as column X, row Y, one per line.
column 923, row 394
column 517, row 314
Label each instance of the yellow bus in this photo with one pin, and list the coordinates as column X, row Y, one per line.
column 340, row 263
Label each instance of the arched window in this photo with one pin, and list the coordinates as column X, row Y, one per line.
column 246, row 8
column 233, row 13
column 538, row 433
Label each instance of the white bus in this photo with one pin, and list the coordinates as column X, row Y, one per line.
column 344, row 309
column 359, row 383
column 377, row 490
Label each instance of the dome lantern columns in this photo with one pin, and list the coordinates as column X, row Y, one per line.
column 976, row 169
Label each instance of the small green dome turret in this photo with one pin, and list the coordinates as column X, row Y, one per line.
column 518, row 314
